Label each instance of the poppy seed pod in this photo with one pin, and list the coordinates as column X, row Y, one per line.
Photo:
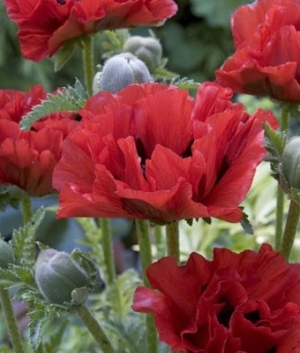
column 6, row 254
column 291, row 163
column 57, row 276
column 120, row 71
column 148, row 49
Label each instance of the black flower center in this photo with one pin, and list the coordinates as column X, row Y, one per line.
column 225, row 315
column 253, row 316
column 61, row 2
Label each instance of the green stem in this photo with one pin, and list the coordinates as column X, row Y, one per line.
column 95, row 329
column 159, row 241
column 143, row 235
column 88, row 63
column 279, row 217
column 108, row 250
column 173, row 240
column 13, row 330
column 284, row 125
column 26, row 207
column 290, row 229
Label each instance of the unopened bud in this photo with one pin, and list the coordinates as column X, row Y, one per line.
column 148, row 49
column 120, row 71
column 58, row 277
column 291, row 163
column 6, row 254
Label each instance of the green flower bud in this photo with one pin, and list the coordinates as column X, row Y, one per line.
column 291, row 163
column 60, row 279
column 148, row 49
column 6, row 254
column 120, row 71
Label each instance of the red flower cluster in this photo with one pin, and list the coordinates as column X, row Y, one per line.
column 45, row 25
column 247, row 302
column 267, row 57
column 153, row 152
column 27, row 158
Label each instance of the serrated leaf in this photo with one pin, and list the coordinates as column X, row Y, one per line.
column 38, row 316
column 8, row 278
column 23, row 240
column 113, row 42
column 274, row 144
column 70, row 98
column 24, row 274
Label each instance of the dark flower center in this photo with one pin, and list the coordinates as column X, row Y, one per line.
column 225, row 315
column 252, row 316
column 61, row 2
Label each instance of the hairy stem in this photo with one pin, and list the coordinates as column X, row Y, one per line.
column 108, row 250
column 290, row 229
column 173, row 240
column 143, row 235
column 11, row 322
column 95, row 329
column 88, row 63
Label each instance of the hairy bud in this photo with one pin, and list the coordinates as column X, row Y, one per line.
column 148, row 49
column 120, row 71
column 58, row 277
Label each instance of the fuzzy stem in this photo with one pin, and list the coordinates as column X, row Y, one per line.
column 12, row 325
column 26, row 207
column 143, row 235
column 88, row 63
column 173, row 240
column 159, row 241
column 108, row 250
column 290, row 229
column 284, row 125
column 95, row 329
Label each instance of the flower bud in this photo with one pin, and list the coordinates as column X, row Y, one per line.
column 148, row 49
column 291, row 163
column 6, row 254
column 57, row 276
column 120, row 71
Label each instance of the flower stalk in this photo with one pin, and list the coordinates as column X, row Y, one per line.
column 173, row 240
column 143, row 235
column 284, row 124
column 108, row 250
column 95, row 329
column 88, row 63
column 12, row 325
column 26, row 207
column 290, row 229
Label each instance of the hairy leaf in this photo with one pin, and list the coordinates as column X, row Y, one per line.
column 70, row 98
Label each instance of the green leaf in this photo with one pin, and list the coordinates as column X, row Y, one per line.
column 245, row 223
column 64, row 55
column 38, row 315
column 70, row 98
column 274, row 144
column 113, row 42
column 10, row 195
column 23, row 240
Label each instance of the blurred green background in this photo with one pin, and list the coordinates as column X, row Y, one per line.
column 196, row 41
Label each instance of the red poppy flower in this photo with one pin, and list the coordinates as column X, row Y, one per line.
column 27, row 158
column 151, row 152
column 44, row 26
column 247, row 302
column 267, row 57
